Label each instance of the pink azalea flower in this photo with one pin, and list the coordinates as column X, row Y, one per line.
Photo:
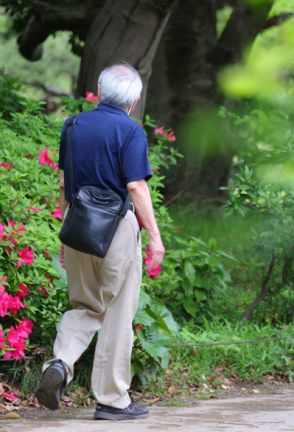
column 169, row 135
column 2, row 230
column 13, row 335
column 23, row 290
column 18, row 345
column 2, row 289
column 26, row 256
column 25, row 328
column 91, row 97
column 6, row 165
column 155, row 271
column 159, row 131
column 9, row 303
column 4, row 302
column 14, row 304
column 11, row 223
column 57, row 213
column 9, row 396
column 44, row 159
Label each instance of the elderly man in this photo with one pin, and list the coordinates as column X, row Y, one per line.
column 109, row 150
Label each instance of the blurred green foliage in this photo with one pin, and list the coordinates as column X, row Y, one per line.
column 57, row 69
column 267, row 69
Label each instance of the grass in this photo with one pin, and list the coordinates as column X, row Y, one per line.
column 233, row 235
column 202, row 371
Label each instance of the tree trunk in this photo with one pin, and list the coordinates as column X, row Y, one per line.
column 184, row 81
column 129, row 31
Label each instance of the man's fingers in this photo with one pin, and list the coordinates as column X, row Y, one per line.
column 156, row 259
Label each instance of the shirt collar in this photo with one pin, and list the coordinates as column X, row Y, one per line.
column 102, row 106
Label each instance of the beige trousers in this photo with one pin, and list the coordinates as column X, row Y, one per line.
column 104, row 295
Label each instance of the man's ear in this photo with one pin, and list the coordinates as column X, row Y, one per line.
column 98, row 92
column 134, row 106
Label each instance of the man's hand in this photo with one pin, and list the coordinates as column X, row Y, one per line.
column 157, row 252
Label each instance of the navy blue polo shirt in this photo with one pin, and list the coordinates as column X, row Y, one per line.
column 109, row 150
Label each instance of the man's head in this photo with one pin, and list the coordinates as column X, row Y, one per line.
column 120, row 85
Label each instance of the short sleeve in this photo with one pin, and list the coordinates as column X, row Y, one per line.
column 134, row 157
column 62, row 145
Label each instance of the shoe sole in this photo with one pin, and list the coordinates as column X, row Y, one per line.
column 102, row 415
column 49, row 391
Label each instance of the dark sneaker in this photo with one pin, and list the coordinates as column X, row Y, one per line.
column 52, row 383
column 131, row 412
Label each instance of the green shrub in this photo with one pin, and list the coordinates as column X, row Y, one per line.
column 261, row 184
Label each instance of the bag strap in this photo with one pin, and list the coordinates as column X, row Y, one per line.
column 69, row 154
column 126, row 206
column 69, row 131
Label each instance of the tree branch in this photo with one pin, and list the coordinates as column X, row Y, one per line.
column 277, row 20
column 243, row 26
column 48, row 18
column 265, row 292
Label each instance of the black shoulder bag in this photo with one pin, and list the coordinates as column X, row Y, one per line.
column 93, row 214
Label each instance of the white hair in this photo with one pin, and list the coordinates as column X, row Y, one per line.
column 120, row 85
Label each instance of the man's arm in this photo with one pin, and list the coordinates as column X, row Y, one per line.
column 140, row 195
column 62, row 201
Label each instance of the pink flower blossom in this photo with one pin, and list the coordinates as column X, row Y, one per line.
column 159, row 130
column 9, row 396
column 4, row 302
column 23, row 290
column 25, row 328
column 57, row 213
column 44, row 159
column 26, row 256
column 2, row 230
column 6, row 165
column 9, row 303
column 152, row 272
column 14, row 304
column 91, row 97
column 168, row 135
column 16, row 346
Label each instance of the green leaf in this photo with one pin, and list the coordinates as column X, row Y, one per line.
column 189, row 272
